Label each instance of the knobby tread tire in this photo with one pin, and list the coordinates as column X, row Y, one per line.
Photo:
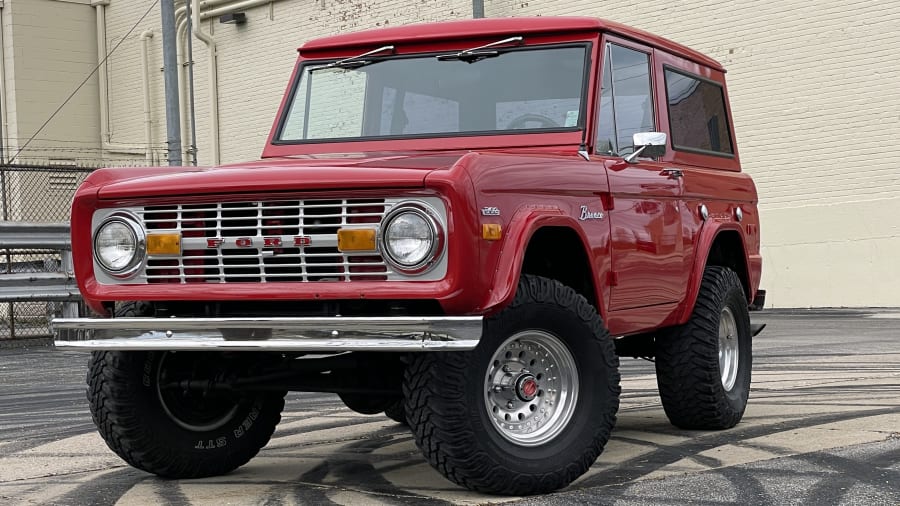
column 397, row 412
column 134, row 426
column 687, row 358
column 448, row 417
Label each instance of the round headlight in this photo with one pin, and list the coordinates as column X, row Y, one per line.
column 118, row 246
column 411, row 239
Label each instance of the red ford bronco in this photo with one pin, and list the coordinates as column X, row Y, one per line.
column 462, row 225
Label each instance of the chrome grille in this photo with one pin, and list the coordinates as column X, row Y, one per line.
column 267, row 241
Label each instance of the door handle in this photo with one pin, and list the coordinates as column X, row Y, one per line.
column 672, row 173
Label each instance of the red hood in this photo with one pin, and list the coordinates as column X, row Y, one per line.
column 311, row 172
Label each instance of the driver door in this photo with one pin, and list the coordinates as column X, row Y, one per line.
column 647, row 250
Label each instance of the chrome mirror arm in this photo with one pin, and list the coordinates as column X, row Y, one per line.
column 634, row 154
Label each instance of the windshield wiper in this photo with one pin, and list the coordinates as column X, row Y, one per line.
column 481, row 52
column 356, row 61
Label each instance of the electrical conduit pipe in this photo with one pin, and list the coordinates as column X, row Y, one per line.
column 245, row 4
column 199, row 14
column 103, row 77
column 145, row 77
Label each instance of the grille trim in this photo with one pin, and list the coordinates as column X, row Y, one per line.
column 281, row 222
column 314, row 219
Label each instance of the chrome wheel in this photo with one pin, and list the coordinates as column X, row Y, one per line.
column 531, row 388
column 729, row 354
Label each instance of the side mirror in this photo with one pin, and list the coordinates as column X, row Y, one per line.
column 648, row 144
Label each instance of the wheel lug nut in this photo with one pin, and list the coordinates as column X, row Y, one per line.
column 510, row 405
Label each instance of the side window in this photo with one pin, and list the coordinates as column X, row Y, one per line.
column 626, row 100
column 697, row 116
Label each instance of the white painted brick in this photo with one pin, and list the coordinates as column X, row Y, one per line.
column 813, row 85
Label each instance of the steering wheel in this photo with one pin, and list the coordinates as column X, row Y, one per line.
column 521, row 122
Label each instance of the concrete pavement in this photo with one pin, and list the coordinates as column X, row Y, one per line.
column 822, row 427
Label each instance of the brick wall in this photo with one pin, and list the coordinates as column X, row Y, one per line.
column 255, row 61
column 49, row 49
column 814, row 91
column 49, row 57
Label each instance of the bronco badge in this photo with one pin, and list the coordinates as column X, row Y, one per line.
column 587, row 214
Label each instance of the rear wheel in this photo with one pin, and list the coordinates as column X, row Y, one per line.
column 531, row 408
column 703, row 367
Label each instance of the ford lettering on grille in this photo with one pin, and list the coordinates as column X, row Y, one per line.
column 267, row 242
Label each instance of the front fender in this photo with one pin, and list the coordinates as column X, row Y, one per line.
column 507, row 264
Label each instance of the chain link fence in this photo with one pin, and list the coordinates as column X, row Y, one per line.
column 34, row 193
column 38, row 178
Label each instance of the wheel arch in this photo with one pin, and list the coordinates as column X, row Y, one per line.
column 550, row 246
column 723, row 246
column 544, row 257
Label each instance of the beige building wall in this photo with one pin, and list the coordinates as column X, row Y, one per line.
column 254, row 63
column 815, row 94
column 48, row 49
column 813, row 87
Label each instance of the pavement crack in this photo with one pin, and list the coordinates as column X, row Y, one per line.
column 326, row 486
column 71, row 473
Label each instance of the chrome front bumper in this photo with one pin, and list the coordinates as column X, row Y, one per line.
column 332, row 334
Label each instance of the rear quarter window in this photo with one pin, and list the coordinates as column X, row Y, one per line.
column 697, row 118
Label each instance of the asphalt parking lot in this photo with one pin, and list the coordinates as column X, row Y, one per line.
column 822, row 427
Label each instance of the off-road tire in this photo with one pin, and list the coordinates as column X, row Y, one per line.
column 371, row 405
column 128, row 411
column 446, row 400
column 397, row 412
column 687, row 358
column 366, row 404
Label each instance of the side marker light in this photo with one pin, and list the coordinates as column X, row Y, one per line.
column 491, row 231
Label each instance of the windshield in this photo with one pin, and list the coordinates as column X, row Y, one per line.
column 518, row 90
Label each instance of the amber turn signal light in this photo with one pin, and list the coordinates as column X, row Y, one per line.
column 491, row 231
column 356, row 239
column 163, row 244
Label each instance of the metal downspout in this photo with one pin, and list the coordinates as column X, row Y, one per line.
column 183, row 59
column 186, row 83
column 102, row 81
column 148, row 107
column 198, row 14
column 190, row 81
column 213, row 81
column 477, row 9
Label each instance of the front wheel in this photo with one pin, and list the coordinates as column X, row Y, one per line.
column 148, row 409
column 703, row 366
column 530, row 409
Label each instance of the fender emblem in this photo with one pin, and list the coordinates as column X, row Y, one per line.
column 590, row 215
column 490, row 211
